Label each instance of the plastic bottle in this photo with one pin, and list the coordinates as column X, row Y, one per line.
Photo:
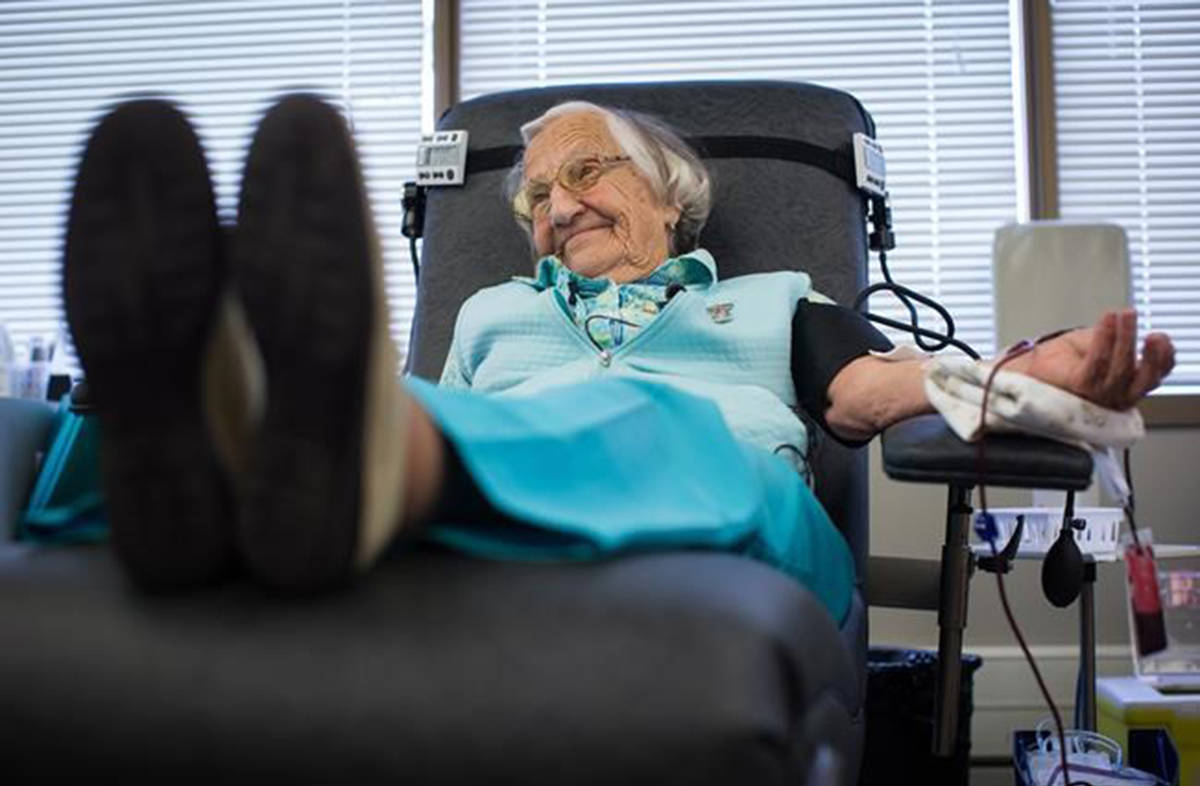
column 39, row 369
column 8, row 356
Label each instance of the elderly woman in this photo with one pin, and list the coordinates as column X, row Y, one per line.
column 644, row 402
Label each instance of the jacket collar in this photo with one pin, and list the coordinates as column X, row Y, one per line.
column 693, row 269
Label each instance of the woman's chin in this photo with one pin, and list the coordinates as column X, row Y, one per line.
column 589, row 260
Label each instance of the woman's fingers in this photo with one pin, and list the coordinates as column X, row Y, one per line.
column 1158, row 358
column 1118, row 381
column 1166, row 351
column 1098, row 358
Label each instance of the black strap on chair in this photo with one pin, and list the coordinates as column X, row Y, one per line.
column 839, row 163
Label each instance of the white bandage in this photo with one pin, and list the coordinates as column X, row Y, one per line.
column 1021, row 403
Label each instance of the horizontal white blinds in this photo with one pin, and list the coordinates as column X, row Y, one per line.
column 936, row 76
column 63, row 63
column 1127, row 85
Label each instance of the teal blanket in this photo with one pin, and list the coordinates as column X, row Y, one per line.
column 602, row 468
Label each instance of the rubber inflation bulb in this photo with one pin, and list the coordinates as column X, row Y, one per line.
column 1062, row 570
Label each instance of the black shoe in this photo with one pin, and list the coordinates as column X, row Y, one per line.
column 322, row 489
column 142, row 275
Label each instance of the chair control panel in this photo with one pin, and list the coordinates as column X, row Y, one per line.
column 442, row 158
column 870, row 169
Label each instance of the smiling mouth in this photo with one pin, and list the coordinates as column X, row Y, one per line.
column 581, row 234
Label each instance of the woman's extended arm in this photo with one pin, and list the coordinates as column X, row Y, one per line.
column 1099, row 363
column 869, row 394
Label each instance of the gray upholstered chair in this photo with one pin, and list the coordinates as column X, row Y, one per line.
column 674, row 667
column 769, row 214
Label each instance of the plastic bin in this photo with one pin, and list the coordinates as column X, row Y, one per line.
column 900, row 688
column 1100, row 536
column 1150, row 760
column 1126, row 704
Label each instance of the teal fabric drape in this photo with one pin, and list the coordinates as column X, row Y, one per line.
column 616, row 465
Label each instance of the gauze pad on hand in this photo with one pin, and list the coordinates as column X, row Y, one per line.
column 1020, row 403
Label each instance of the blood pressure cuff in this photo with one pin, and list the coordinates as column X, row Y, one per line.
column 825, row 337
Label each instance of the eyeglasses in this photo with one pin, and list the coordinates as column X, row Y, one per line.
column 575, row 175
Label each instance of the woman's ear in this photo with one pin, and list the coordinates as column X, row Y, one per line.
column 671, row 216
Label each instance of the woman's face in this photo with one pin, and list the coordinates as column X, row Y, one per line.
column 616, row 228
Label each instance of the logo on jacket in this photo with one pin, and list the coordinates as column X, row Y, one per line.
column 721, row 312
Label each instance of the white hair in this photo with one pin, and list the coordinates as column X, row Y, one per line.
column 673, row 169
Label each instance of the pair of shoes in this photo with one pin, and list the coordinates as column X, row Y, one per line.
column 246, row 386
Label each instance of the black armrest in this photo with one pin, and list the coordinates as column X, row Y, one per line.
column 924, row 449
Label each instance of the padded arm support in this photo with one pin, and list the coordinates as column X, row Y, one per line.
column 924, row 450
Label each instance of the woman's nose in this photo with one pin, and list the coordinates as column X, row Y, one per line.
column 564, row 206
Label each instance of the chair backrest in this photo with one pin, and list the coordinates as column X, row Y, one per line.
column 767, row 215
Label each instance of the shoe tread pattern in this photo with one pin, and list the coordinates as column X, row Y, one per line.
column 302, row 269
column 141, row 278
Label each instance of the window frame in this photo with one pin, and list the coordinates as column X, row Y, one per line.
column 1162, row 409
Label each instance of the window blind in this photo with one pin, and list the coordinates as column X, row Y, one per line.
column 223, row 61
column 936, row 76
column 1127, row 87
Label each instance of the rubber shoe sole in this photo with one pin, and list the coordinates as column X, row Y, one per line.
column 302, row 267
column 141, row 277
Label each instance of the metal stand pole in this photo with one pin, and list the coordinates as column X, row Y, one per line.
column 957, row 564
column 1086, row 717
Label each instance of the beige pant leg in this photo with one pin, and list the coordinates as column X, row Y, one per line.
column 234, row 386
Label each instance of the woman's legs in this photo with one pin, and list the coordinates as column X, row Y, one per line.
column 429, row 470
column 303, row 476
column 318, row 498
column 610, row 466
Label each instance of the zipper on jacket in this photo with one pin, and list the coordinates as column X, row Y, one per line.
column 606, row 356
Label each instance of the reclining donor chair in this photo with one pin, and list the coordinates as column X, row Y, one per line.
column 669, row 667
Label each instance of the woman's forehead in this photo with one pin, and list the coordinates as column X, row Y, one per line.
column 579, row 133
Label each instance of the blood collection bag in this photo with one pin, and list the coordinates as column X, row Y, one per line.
column 1149, row 627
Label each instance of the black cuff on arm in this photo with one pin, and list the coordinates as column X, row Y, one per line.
column 825, row 337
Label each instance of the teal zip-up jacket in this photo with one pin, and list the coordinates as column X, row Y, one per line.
column 728, row 341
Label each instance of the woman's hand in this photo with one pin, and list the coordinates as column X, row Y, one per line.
column 1100, row 363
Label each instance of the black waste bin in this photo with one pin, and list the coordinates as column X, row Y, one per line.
column 899, row 744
